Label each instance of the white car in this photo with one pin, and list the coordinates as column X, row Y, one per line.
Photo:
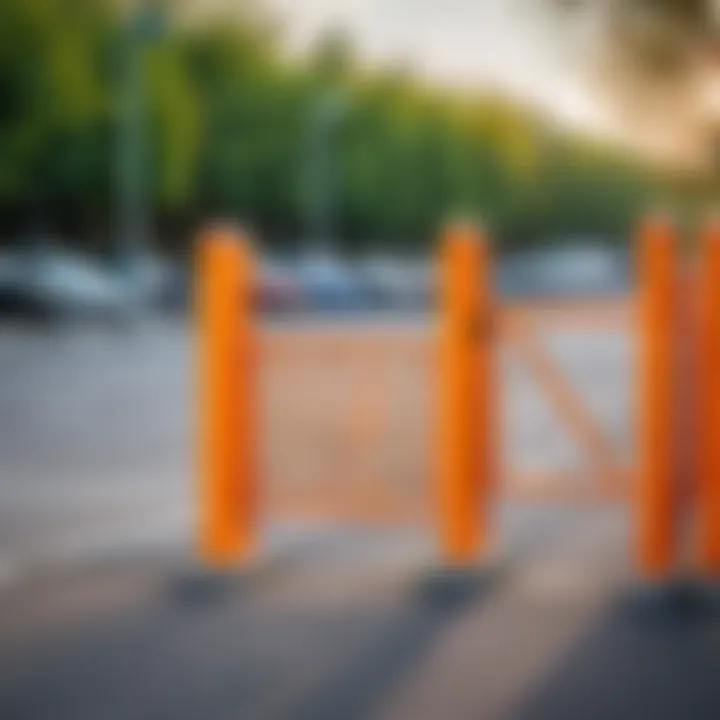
column 56, row 284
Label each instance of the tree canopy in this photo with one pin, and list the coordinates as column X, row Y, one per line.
column 233, row 128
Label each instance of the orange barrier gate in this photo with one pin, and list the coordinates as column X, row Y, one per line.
column 227, row 423
column 464, row 454
column 679, row 400
column 657, row 301
column 464, row 433
column 708, row 489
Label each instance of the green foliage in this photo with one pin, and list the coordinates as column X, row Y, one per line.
column 53, row 94
column 231, row 129
column 175, row 121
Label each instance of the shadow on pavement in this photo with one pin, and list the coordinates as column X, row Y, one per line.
column 646, row 657
column 360, row 685
column 116, row 644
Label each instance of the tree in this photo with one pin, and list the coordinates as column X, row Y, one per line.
column 656, row 63
column 54, row 78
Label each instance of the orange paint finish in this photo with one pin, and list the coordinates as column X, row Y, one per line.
column 226, row 387
column 464, row 457
column 708, row 489
column 657, row 462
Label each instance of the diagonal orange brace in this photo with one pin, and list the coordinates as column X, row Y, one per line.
column 564, row 398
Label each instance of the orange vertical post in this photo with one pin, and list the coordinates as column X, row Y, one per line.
column 225, row 384
column 708, row 488
column 657, row 446
column 464, row 414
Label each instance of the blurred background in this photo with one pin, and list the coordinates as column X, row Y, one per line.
column 338, row 133
column 341, row 134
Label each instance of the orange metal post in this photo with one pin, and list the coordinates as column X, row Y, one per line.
column 655, row 498
column 226, row 387
column 708, row 490
column 464, row 413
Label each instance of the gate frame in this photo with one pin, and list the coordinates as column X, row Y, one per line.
column 465, row 457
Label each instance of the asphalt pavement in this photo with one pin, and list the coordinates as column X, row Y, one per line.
column 350, row 624
column 106, row 613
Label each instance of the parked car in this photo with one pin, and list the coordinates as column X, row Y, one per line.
column 279, row 289
column 172, row 295
column 328, row 284
column 395, row 283
column 380, row 282
column 54, row 284
column 421, row 280
column 15, row 299
column 581, row 270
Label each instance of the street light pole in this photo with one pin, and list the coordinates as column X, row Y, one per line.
column 321, row 198
column 132, row 220
column 145, row 23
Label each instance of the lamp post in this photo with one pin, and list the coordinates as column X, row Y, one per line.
column 145, row 24
column 321, row 198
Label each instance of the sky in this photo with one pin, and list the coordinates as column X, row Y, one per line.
column 466, row 43
column 512, row 47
